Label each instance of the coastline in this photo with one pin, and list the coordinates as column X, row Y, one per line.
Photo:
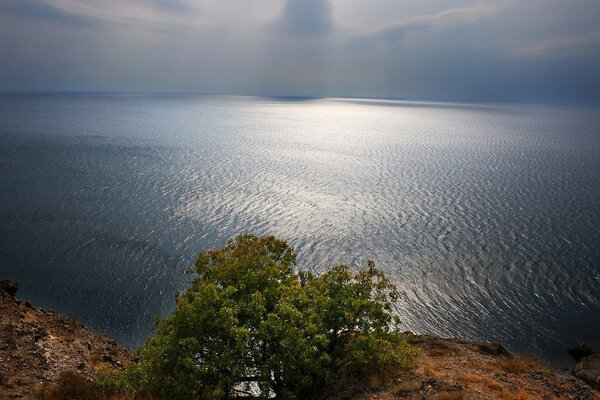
column 36, row 345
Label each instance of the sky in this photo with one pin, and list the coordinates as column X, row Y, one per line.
column 539, row 51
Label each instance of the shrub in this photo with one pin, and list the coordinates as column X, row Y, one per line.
column 250, row 325
column 69, row 386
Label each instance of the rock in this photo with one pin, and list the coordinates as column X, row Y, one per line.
column 9, row 287
column 580, row 351
column 588, row 369
column 429, row 383
column 106, row 358
column 39, row 333
column 455, row 388
column 492, row 349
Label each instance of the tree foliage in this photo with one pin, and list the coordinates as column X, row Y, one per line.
column 250, row 324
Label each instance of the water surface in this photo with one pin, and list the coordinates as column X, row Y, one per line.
column 486, row 216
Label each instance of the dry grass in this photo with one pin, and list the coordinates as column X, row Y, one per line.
column 73, row 386
column 488, row 383
column 406, row 387
column 440, row 352
column 70, row 386
column 439, row 348
column 513, row 365
column 451, row 396
column 498, row 390
column 423, row 367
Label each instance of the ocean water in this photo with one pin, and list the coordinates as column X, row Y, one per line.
column 486, row 216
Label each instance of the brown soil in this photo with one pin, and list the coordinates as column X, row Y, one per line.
column 37, row 345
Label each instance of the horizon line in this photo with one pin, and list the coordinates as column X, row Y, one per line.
column 465, row 101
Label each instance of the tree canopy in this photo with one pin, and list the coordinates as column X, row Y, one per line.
column 249, row 325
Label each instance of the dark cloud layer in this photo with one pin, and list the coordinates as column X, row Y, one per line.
column 38, row 10
column 509, row 50
column 176, row 6
column 306, row 18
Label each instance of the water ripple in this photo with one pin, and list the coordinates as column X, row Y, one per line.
column 486, row 216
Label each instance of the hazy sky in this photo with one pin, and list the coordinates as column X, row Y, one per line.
column 503, row 50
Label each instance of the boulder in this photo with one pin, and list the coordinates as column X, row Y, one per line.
column 9, row 287
column 580, row 351
column 588, row 369
column 493, row 349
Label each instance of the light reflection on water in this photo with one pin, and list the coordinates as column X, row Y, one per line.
column 486, row 215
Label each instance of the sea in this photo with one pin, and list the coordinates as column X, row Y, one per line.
column 486, row 216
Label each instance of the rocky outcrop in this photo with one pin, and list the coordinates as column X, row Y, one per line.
column 588, row 370
column 580, row 351
column 9, row 287
column 588, row 364
column 37, row 345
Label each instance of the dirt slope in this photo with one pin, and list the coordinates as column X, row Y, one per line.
column 37, row 345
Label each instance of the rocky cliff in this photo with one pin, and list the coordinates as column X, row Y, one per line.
column 36, row 345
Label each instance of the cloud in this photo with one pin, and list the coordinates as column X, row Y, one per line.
column 446, row 19
column 578, row 45
column 38, row 10
column 173, row 6
column 157, row 16
column 474, row 49
column 306, row 18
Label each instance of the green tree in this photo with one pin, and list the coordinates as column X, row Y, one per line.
column 249, row 324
